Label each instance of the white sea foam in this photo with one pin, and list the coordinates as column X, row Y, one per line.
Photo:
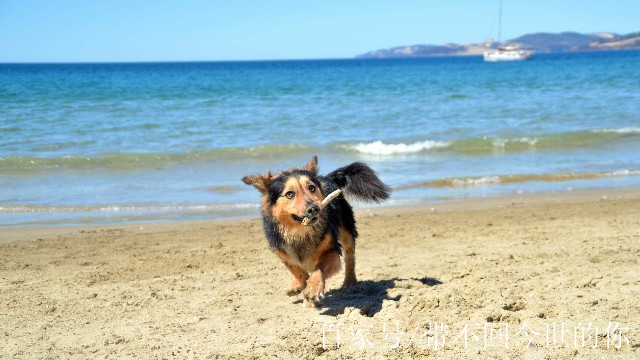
column 380, row 148
column 475, row 181
column 625, row 172
column 125, row 208
column 501, row 142
column 626, row 130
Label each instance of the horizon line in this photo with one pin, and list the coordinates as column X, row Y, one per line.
column 70, row 62
column 289, row 60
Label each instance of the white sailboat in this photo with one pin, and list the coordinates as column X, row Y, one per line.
column 506, row 53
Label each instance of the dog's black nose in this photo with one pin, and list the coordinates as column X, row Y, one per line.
column 312, row 210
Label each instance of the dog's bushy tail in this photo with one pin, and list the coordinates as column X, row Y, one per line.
column 360, row 181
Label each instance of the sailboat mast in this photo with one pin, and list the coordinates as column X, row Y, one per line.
column 500, row 23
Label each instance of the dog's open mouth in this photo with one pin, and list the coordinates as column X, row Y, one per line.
column 305, row 220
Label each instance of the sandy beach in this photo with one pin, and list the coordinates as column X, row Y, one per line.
column 500, row 273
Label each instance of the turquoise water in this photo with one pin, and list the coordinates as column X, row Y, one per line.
column 158, row 141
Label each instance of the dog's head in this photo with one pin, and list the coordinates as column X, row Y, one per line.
column 291, row 196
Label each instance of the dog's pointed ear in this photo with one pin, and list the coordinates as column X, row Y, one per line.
column 312, row 165
column 261, row 182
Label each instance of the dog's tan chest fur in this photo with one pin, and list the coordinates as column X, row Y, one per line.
column 306, row 252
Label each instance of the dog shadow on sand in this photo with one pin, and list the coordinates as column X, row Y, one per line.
column 367, row 296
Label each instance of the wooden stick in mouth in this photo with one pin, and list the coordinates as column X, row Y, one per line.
column 324, row 203
column 330, row 197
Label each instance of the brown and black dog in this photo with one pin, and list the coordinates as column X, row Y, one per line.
column 307, row 238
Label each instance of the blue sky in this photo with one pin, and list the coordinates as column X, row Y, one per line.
column 145, row 30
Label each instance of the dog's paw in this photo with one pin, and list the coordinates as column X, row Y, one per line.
column 315, row 288
column 293, row 292
column 349, row 282
column 295, row 288
column 309, row 303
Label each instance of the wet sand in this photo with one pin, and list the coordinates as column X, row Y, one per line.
column 214, row 290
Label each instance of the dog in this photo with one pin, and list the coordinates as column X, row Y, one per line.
column 309, row 238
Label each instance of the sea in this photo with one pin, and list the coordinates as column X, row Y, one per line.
column 106, row 143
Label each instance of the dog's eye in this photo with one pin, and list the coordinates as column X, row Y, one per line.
column 311, row 188
column 289, row 194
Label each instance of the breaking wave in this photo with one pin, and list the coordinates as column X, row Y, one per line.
column 479, row 145
column 380, row 148
column 457, row 182
column 466, row 146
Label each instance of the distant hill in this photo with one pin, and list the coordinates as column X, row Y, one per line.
column 538, row 42
column 547, row 42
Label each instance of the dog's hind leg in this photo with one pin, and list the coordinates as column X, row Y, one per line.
column 349, row 252
column 300, row 275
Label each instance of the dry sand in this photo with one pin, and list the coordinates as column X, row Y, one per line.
column 213, row 289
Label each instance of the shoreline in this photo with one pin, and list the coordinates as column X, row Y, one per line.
column 9, row 234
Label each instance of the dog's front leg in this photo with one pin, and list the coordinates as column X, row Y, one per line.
column 300, row 279
column 300, row 275
column 328, row 265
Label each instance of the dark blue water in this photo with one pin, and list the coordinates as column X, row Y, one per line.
column 119, row 142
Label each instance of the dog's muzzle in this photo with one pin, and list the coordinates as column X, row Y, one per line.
column 310, row 215
column 312, row 211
